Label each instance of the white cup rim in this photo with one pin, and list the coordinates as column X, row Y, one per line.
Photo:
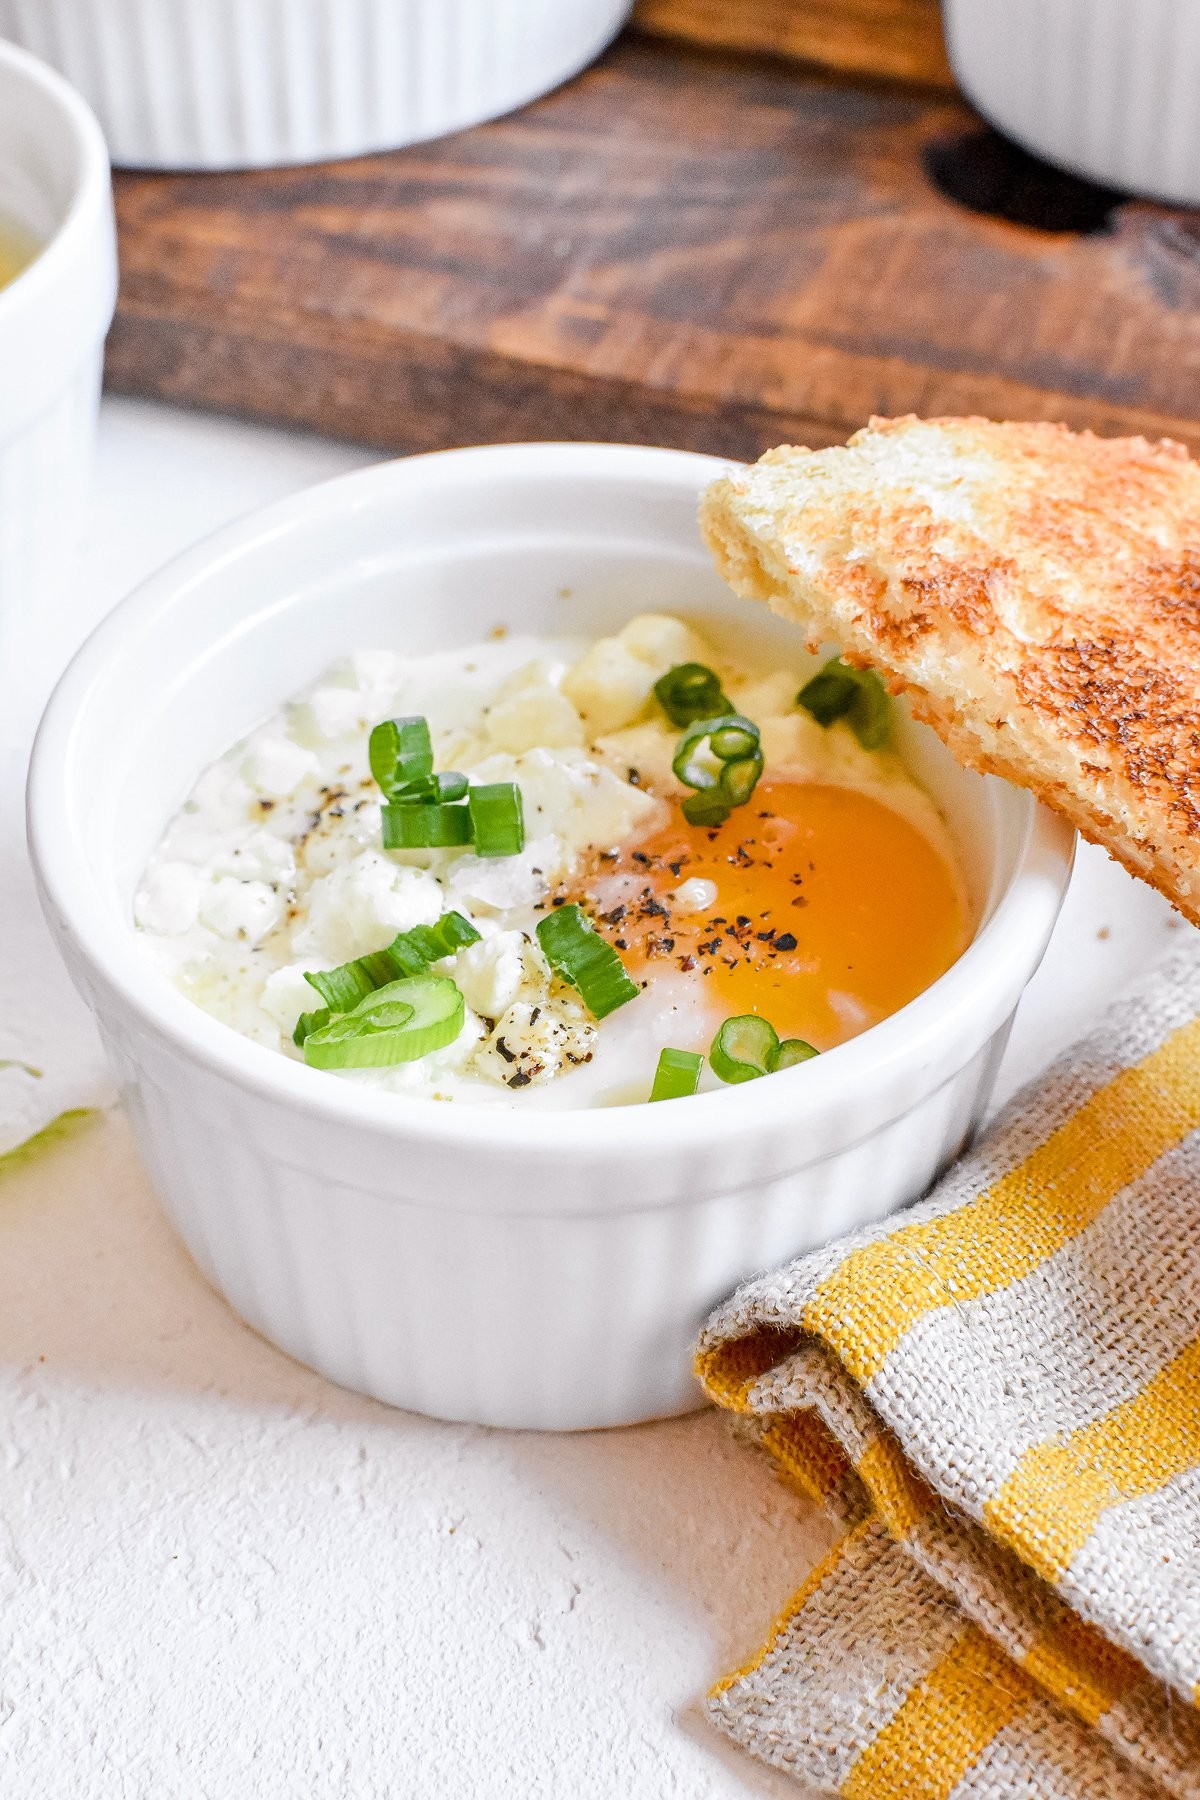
column 951, row 1019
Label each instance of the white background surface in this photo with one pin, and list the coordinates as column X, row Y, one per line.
column 222, row 1577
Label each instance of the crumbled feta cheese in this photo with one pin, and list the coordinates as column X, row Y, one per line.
column 493, row 972
column 362, row 904
column 222, row 796
column 168, row 899
column 276, row 765
column 502, row 882
column 262, row 857
column 533, row 1043
column 286, row 994
column 240, row 909
column 529, row 711
column 695, row 895
column 329, row 713
column 612, row 683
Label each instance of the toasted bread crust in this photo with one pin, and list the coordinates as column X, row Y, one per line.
column 1035, row 590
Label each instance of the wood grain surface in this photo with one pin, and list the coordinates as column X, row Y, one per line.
column 677, row 248
column 898, row 40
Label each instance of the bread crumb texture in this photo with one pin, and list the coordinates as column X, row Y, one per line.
column 1036, row 591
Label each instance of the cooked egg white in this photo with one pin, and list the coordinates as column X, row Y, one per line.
column 827, row 902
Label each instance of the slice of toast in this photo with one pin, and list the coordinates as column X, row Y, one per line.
column 1035, row 591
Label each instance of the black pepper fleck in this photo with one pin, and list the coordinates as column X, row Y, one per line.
column 785, row 941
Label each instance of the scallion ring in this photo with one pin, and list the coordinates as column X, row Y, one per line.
column 743, row 1048
column 400, row 1023
column 576, row 951
column 428, row 825
column 497, row 818
column 837, row 691
column 748, row 1046
column 400, row 752
column 410, row 952
column 677, row 1074
column 690, row 691
column 737, row 737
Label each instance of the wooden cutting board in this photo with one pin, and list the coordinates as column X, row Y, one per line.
column 894, row 39
column 679, row 247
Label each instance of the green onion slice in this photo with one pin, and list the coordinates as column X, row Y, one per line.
column 705, row 808
column 837, row 691
column 400, row 752
column 425, row 825
column 677, row 1074
column 497, row 818
column 749, row 1046
column 730, row 738
column 743, row 1048
column 690, row 691
column 409, row 953
column 739, row 779
column 445, row 787
column 312, row 1021
column 576, row 951
column 401, row 1022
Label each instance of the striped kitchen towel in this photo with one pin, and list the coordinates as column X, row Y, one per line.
column 996, row 1395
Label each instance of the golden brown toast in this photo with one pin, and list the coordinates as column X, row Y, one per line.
column 1036, row 592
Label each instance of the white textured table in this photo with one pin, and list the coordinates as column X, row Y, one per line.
column 221, row 1577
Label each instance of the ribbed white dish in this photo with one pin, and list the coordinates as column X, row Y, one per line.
column 220, row 84
column 540, row 1269
column 54, row 184
column 1109, row 89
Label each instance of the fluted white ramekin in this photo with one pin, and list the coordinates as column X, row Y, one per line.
column 538, row 1269
column 1109, row 89
column 54, row 183
column 222, row 84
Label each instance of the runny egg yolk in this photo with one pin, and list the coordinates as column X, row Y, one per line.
column 830, row 910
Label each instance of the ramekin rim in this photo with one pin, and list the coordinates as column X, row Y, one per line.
column 92, row 192
column 967, row 1003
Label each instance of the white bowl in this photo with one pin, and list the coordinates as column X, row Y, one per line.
column 224, row 84
column 54, row 185
column 538, row 1269
column 1109, row 89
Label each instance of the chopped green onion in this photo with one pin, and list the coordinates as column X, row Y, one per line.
column 705, row 808
column 342, row 988
column 400, row 752
column 738, row 736
column 446, row 787
column 497, row 818
column 313, row 1021
column 401, row 1022
column 690, row 691
column 749, row 1046
column 677, row 1074
column 837, row 691
column 409, row 953
column 739, row 779
column 425, row 825
column 575, row 951
column 742, row 1049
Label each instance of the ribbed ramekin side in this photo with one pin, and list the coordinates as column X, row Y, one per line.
column 537, row 1320
column 251, row 83
column 1105, row 88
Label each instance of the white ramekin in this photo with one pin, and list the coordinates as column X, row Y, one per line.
column 537, row 1269
column 222, row 84
column 1109, row 89
column 54, row 182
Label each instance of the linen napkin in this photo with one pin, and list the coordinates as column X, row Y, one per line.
column 996, row 1395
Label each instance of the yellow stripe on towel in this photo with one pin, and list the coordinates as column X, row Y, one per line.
column 872, row 1299
column 1049, row 1506
column 944, row 1726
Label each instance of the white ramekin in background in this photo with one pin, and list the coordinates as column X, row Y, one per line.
column 1109, row 89
column 54, row 183
column 222, row 84
column 538, row 1269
